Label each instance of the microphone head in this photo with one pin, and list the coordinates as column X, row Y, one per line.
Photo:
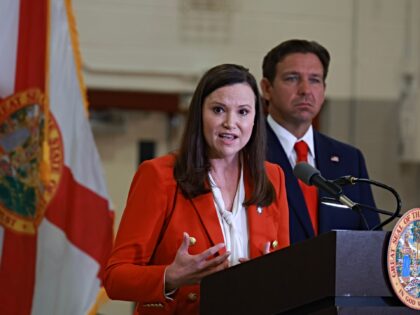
column 305, row 172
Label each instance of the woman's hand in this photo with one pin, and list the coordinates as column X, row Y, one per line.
column 190, row 269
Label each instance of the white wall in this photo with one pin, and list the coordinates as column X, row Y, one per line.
column 165, row 45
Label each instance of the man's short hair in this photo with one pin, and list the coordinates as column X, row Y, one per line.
column 278, row 53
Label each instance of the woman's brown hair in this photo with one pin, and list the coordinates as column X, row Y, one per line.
column 192, row 164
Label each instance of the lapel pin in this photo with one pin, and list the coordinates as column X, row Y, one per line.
column 335, row 158
column 259, row 210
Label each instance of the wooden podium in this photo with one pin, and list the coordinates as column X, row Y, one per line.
column 340, row 272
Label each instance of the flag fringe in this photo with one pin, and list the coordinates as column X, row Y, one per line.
column 74, row 38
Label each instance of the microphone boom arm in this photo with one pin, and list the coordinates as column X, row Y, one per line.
column 352, row 180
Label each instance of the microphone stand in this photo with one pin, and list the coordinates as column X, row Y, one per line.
column 353, row 180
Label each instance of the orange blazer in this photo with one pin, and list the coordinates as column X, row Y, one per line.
column 135, row 270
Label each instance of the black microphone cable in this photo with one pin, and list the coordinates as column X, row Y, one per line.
column 350, row 180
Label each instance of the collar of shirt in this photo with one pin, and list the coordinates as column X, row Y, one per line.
column 288, row 141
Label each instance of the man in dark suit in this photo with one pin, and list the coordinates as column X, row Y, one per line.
column 293, row 86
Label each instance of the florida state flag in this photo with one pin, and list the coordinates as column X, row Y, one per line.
column 55, row 218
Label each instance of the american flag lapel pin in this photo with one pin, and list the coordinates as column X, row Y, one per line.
column 335, row 159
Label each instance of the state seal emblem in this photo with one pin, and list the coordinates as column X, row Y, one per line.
column 403, row 259
column 24, row 195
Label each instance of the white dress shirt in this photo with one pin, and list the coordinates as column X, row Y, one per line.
column 288, row 141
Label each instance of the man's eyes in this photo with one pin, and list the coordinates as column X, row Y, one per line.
column 296, row 78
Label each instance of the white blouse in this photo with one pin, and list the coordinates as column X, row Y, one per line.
column 234, row 224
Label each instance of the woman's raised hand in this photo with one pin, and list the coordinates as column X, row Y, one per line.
column 190, row 269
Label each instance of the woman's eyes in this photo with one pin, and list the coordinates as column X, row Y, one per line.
column 218, row 109
column 243, row 112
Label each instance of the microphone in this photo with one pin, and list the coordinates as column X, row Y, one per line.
column 311, row 176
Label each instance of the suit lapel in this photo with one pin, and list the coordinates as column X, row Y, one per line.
column 295, row 197
column 327, row 156
column 206, row 211
column 328, row 162
column 254, row 224
column 321, row 152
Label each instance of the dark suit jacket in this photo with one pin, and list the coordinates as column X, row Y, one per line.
column 333, row 159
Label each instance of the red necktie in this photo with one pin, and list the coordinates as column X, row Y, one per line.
column 309, row 192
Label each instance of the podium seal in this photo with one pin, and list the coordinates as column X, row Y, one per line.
column 403, row 259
